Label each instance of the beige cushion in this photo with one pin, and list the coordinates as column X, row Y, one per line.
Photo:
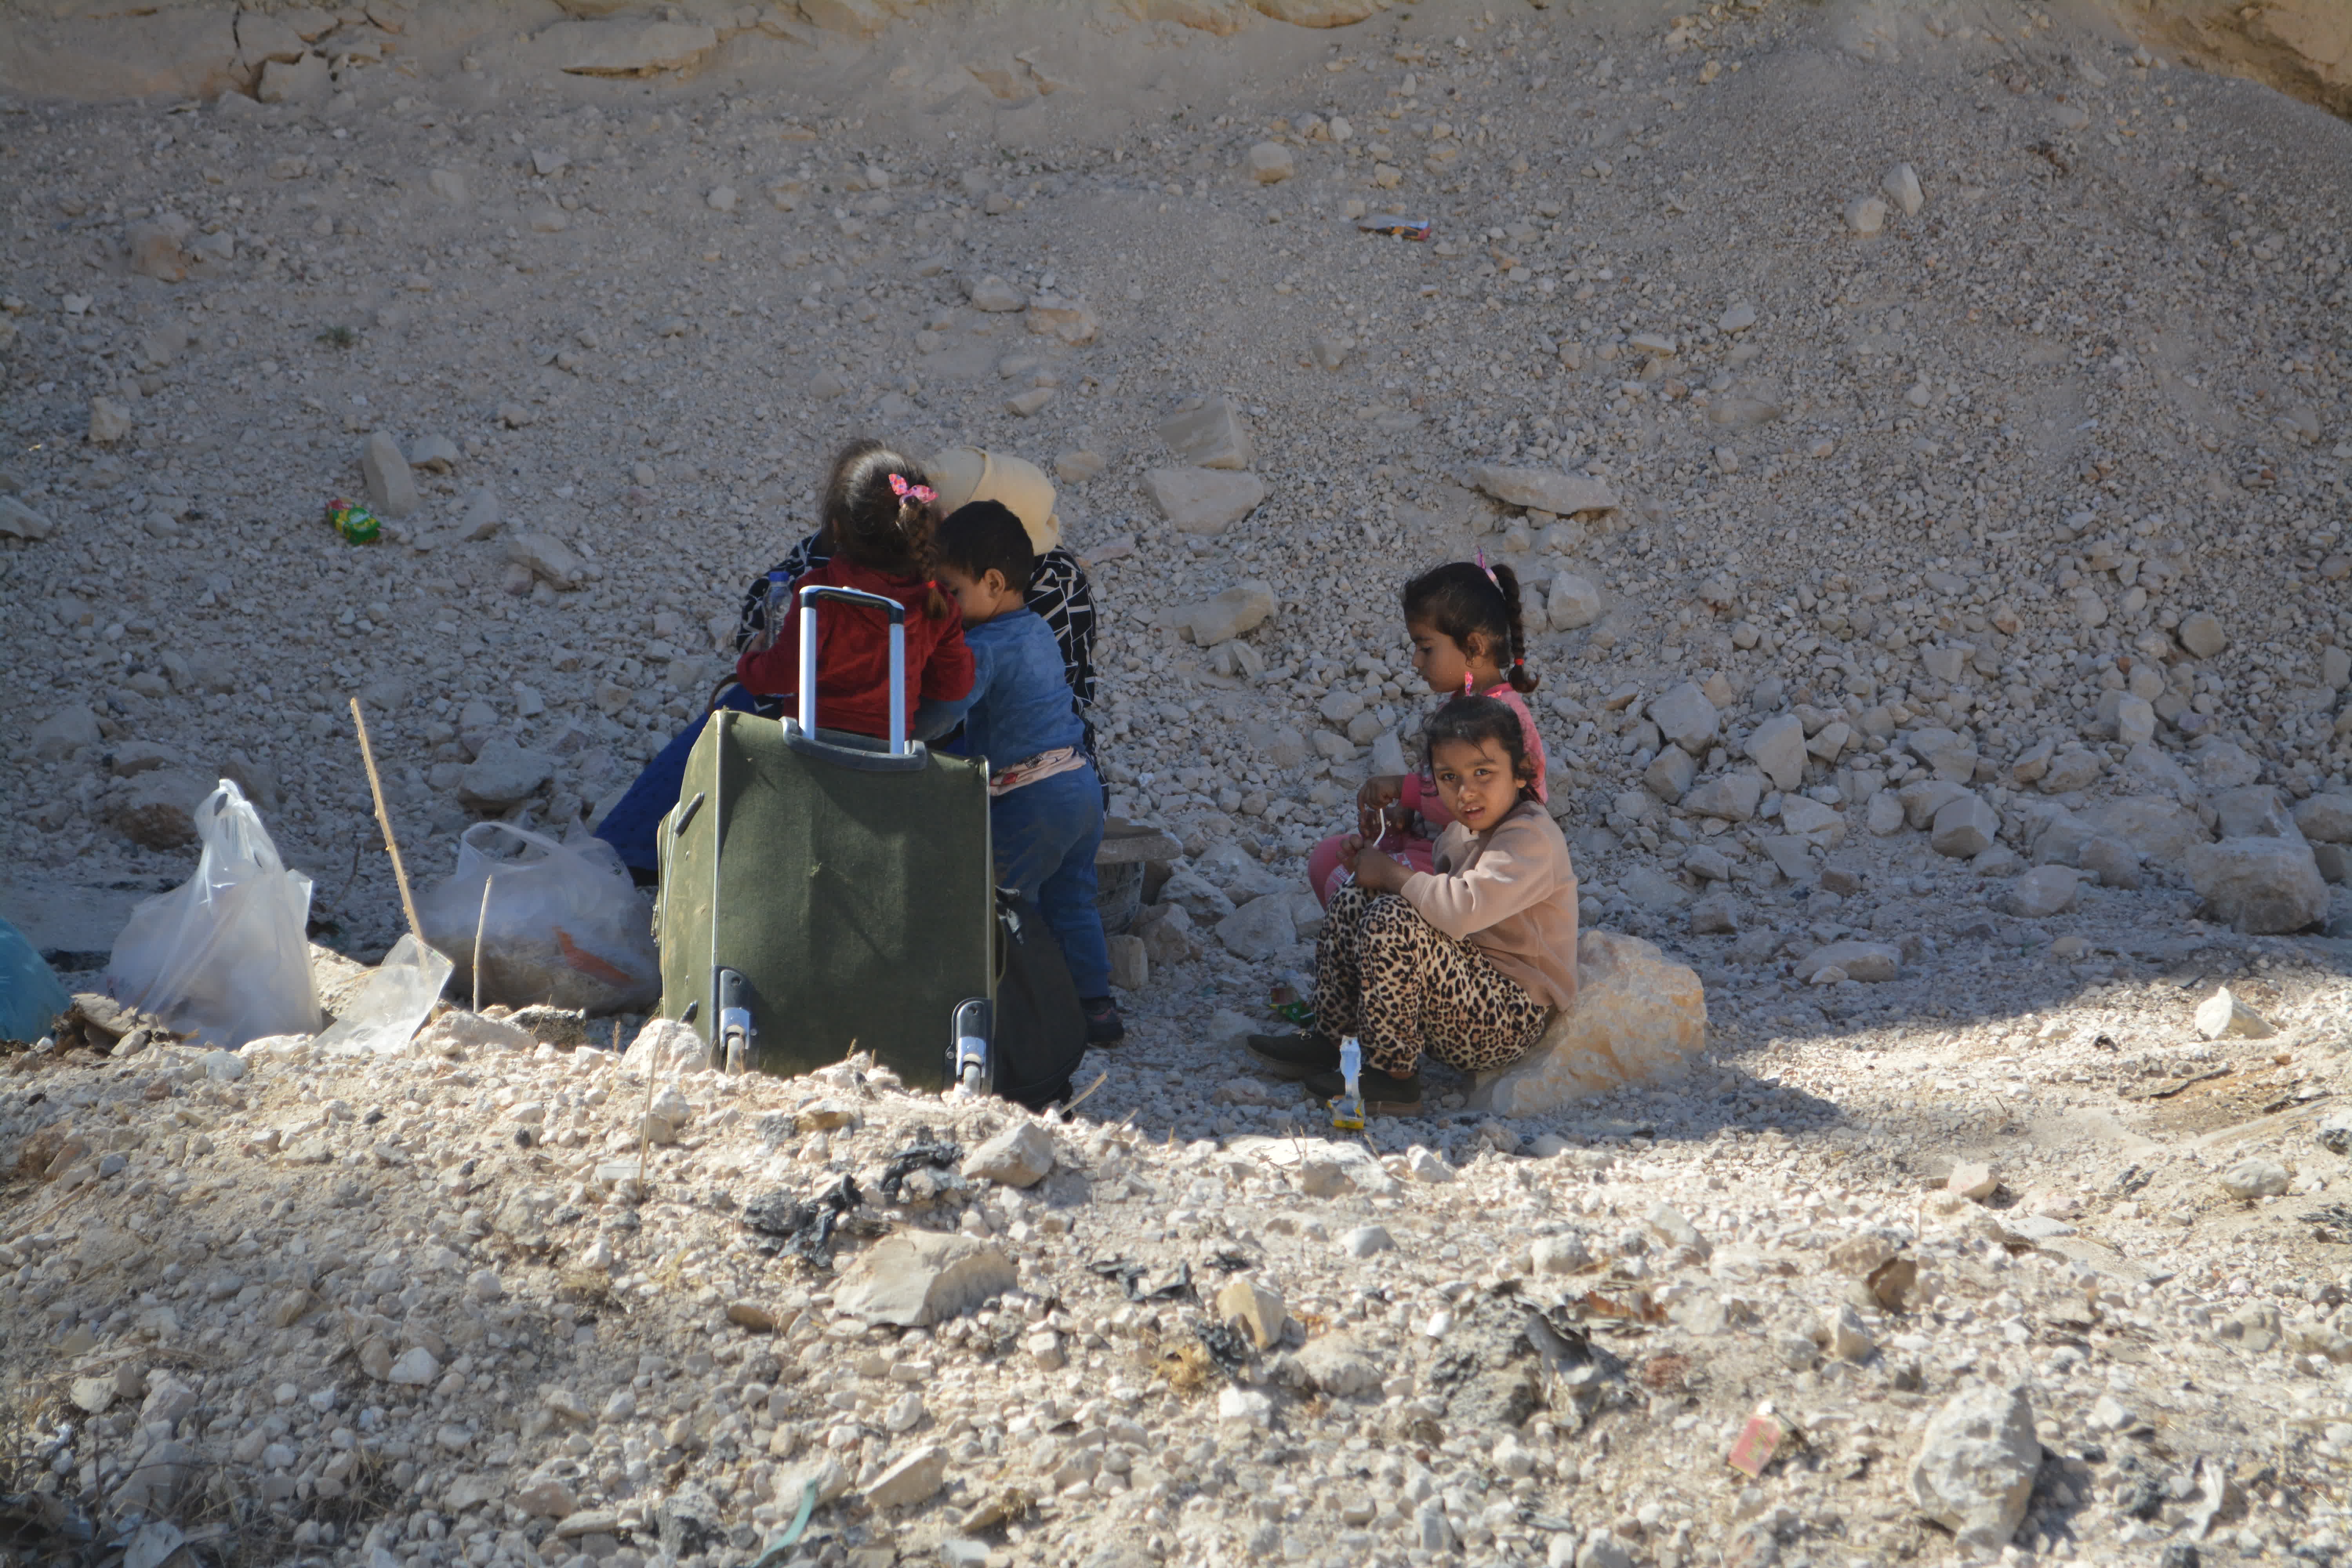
column 966, row 474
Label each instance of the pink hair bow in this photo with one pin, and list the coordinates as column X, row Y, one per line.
column 923, row 494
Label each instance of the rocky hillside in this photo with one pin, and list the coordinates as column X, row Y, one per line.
column 1923, row 433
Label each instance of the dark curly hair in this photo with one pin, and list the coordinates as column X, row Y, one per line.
column 1463, row 600
column 867, row 520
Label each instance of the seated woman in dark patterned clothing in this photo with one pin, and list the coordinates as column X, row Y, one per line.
column 1058, row 593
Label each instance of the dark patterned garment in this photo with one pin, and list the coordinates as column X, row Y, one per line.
column 1058, row 593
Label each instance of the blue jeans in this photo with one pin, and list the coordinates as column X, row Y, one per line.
column 1046, row 834
column 633, row 827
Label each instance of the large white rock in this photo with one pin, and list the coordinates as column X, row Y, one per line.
column 1021, row 1157
column 1270, row 164
column 911, row 1479
column 1870, row 962
column 1574, row 602
column 1777, row 746
column 2260, row 886
column 391, row 488
column 1209, row 436
column 2327, row 817
column 1965, row 825
column 1686, row 716
column 1259, row 929
column 1539, row 490
column 1975, row 1469
column 1639, row 1017
column 666, row 1046
column 1233, row 613
column 918, row 1277
column 1204, row 501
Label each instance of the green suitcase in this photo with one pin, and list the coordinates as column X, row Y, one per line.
column 824, row 892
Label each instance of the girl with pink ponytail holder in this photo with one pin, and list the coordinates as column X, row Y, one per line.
column 1468, row 639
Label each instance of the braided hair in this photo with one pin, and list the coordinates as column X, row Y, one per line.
column 876, row 512
column 1464, row 600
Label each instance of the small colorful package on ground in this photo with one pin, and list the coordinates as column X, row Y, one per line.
column 353, row 521
column 1389, row 222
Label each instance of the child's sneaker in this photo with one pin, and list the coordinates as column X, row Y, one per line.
column 1293, row 1055
column 1104, row 1025
column 1384, row 1095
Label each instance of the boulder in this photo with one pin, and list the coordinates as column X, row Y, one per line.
column 1686, row 716
column 1537, row 489
column 1256, row 1307
column 1733, row 796
column 1210, row 436
column 1964, row 827
column 1870, row 962
column 918, row 1278
column 153, row 247
column 391, row 488
column 2041, row 892
column 2222, row 1016
column 2260, row 886
column 1639, row 1017
column 994, row 295
column 2327, row 817
column 1204, row 501
column 18, row 520
column 1021, row 1157
column 1953, row 756
column 2163, row 831
column 666, row 1046
column 909, row 1481
column 1573, row 602
column 1339, row 1365
column 1777, row 746
column 1259, row 929
column 1270, row 164
column 2253, row 811
column 1233, row 613
column 503, row 774
column 159, row 808
column 64, row 733
column 1975, row 1469
column 301, row 80
column 548, row 559
column 1050, row 315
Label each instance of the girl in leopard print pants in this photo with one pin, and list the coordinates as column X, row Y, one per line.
column 1401, row 986
column 1468, row 960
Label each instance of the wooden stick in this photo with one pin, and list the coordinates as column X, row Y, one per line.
column 479, row 922
column 384, row 820
column 644, row 1115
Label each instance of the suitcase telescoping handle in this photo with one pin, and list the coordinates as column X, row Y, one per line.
column 898, row 613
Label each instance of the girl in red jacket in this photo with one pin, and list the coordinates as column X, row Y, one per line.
column 876, row 520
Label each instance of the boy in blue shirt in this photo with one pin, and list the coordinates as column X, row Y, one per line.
column 1045, row 802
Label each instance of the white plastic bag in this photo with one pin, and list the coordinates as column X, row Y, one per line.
column 564, row 924
column 392, row 1006
column 225, row 956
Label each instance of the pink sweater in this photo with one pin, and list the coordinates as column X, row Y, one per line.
column 1419, row 791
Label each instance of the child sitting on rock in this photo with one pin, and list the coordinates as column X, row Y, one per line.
column 1467, row 959
column 1463, row 621
column 1044, row 807
column 878, row 510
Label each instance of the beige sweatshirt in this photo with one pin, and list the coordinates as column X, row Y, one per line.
column 1511, row 893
